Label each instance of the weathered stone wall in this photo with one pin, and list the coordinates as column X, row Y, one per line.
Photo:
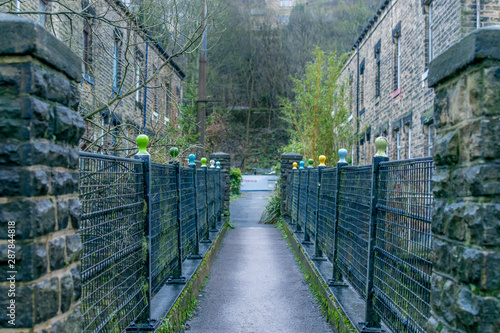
column 409, row 110
column 286, row 167
column 39, row 134
column 465, row 295
column 225, row 165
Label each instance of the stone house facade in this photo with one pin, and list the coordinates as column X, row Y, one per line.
column 386, row 73
column 118, row 56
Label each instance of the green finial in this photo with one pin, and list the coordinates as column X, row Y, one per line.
column 142, row 142
column 174, row 152
column 203, row 162
column 381, row 144
column 310, row 162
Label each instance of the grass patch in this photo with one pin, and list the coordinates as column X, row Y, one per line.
column 233, row 197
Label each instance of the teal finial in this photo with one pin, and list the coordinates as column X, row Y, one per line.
column 217, row 165
column 381, row 144
column 342, row 155
column 192, row 158
column 174, row 152
column 212, row 164
column 301, row 163
column 142, row 142
column 310, row 162
column 203, row 162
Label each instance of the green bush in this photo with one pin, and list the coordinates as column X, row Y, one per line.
column 235, row 179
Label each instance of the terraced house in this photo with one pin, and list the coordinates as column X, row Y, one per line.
column 387, row 71
column 130, row 84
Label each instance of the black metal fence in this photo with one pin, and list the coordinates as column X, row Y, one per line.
column 140, row 220
column 374, row 224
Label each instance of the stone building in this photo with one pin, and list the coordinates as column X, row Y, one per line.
column 387, row 71
column 118, row 56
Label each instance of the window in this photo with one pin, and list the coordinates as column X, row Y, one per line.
column 285, row 3
column 377, row 69
column 362, row 85
column 396, row 33
column 408, row 128
column 431, row 132
column 398, row 145
column 155, row 91
column 87, row 47
column 138, row 79
column 117, row 52
column 431, row 27
column 42, row 7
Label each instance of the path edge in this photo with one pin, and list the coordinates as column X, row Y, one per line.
column 336, row 317
column 185, row 302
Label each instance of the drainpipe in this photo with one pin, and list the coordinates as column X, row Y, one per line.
column 478, row 14
column 357, row 100
column 146, row 86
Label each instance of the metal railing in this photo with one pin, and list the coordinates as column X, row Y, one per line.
column 140, row 221
column 373, row 223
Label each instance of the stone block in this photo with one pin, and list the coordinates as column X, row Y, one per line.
column 490, row 277
column 77, row 283
column 75, row 212
column 490, row 96
column 70, row 324
column 73, row 248
column 46, row 299
column 57, row 256
column 69, row 125
column 43, row 217
column 24, row 307
column 62, row 214
column 67, row 290
column 64, row 182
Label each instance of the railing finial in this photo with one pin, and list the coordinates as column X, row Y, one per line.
column 294, row 166
column 203, row 162
column 212, row 164
column 310, row 162
column 322, row 160
column 342, row 155
column 217, row 165
column 301, row 164
column 174, row 152
column 142, row 142
column 192, row 158
column 381, row 144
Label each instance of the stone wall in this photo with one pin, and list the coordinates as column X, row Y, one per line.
column 405, row 112
column 465, row 295
column 96, row 88
column 39, row 205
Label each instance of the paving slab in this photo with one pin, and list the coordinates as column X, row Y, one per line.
column 255, row 285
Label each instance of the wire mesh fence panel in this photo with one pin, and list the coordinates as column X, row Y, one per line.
column 211, row 173
column 353, row 224
column 217, row 192
column 302, row 216
column 295, row 195
column 402, row 276
column 201, row 192
column 187, row 210
column 164, row 226
column 327, row 208
column 113, row 263
column 312, row 202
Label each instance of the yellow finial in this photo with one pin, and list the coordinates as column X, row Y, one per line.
column 322, row 160
column 294, row 165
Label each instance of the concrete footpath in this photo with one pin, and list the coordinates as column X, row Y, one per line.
column 255, row 285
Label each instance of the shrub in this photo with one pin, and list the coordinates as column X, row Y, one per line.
column 235, row 179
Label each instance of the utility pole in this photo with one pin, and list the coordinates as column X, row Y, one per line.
column 202, row 83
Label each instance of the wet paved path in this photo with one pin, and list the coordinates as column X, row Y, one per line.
column 255, row 284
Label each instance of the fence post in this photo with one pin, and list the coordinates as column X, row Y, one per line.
column 372, row 319
column 196, row 254
column 178, row 278
column 206, row 237
column 220, row 192
column 318, row 253
column 337, row 280
column 143, row 155
column 213, row 225
column 298, row 228
column 307, row 237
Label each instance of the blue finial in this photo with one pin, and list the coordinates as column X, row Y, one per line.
column 192, row 158
column 217, row 165
column 301, row 163
column 342, row 155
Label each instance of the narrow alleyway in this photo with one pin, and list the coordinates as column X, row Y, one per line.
column 255, row 285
